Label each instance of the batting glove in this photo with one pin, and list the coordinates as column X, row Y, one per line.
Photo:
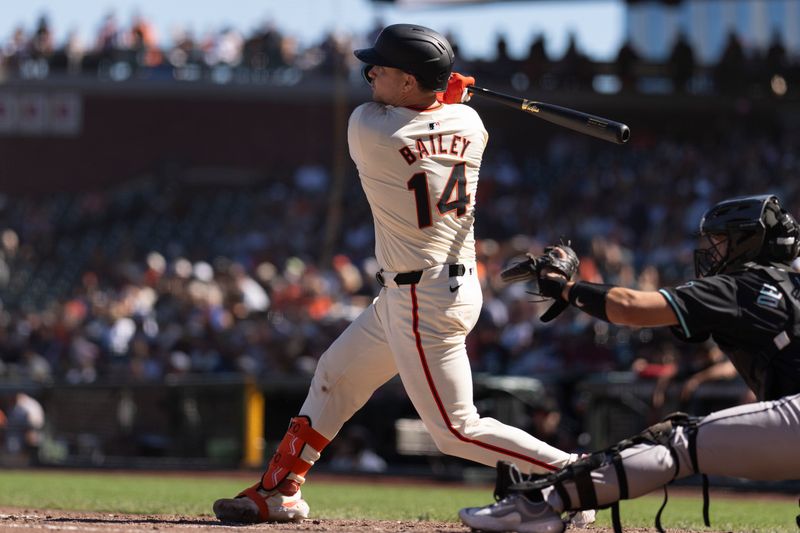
column 457, row 92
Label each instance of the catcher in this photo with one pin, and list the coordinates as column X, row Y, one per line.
column 747, row 299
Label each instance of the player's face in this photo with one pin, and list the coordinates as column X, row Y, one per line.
column 388, row 84
column 710, row 253
column 719, row 243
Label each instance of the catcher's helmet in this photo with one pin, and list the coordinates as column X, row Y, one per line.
column 754, row 228
column 414, row 49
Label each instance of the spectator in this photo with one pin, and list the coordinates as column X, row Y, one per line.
column 706, row 364
column 626, row 63
column 660, row 364
column 681, row 63
column 548, row 424
column 352, row 452
column 503, row 66
column 74, row 52
column 15, row 51
column 24, row 426
column 144, row 43
column 41, row 43
column 730, row 71
column 776, row 61
column 108, row 37
column 574, row 68
column 536, row 65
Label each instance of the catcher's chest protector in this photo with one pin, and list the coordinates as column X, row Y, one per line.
column 783, row 375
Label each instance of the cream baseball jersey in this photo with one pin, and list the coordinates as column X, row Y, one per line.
column 419, row 170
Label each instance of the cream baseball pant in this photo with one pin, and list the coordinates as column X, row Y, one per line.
column 418, row 331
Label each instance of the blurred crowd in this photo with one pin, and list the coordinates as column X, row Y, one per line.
column 160, row 277
column 268, row 55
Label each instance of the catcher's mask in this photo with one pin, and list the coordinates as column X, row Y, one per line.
column 411, row 48
column 743, row 230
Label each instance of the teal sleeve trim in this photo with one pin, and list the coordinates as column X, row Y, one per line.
column 677, row 310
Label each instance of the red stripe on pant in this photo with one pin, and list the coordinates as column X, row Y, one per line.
column 438, row 400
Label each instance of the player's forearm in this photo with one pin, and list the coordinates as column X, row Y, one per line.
column 626, row 307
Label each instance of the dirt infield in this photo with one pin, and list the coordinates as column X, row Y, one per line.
column 14, row 520
column 34, row 520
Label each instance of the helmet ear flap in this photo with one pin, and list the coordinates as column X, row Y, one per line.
column 790, row 238
column 782, row 242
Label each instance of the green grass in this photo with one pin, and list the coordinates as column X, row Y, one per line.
column 150, row 494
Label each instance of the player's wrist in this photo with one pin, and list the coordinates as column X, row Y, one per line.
column 589, row 298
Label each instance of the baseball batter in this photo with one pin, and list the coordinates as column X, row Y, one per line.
column 747, row 298
column 418, row 159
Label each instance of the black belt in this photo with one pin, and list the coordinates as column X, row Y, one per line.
column 410, row 278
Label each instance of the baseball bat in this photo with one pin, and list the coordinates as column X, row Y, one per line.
column 599, row 127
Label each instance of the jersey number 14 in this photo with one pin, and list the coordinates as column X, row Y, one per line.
column 456, row 183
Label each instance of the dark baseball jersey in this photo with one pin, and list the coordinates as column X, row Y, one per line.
column 748, row 316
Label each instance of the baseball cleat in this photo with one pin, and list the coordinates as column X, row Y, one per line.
column 273, row 507
column 513, row 513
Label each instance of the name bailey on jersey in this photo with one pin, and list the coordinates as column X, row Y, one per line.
column 435, row 144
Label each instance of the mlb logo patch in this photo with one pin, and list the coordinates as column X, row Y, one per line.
column 433, row 126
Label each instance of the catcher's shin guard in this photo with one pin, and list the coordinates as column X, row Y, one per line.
column 296, row 454
column 629, row 469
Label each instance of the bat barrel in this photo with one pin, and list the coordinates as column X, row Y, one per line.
column 602, row 128
column 599, row 127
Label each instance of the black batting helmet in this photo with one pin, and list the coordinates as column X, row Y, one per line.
column 756, row 229
column 415, row 49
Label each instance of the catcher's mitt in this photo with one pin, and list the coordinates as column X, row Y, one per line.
column 524, row 271
column 560, row 259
